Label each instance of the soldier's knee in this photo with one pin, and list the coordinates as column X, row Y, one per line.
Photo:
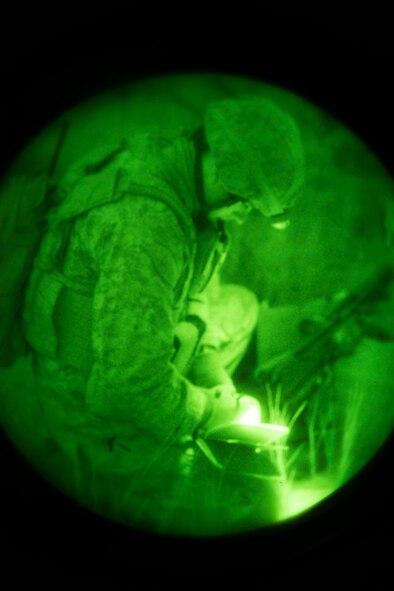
column 251, row 305
column 242, row 306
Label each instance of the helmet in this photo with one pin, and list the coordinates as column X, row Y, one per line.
column 257, row 151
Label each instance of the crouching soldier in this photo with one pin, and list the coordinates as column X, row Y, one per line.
column 134, row 340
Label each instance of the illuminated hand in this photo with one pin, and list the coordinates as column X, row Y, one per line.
column 207, row 371
column 250, row 410
column 225, row 406
column 224, row 390
column 230, row 407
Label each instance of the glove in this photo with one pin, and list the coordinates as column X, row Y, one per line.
column 250, row 410
column 229, row 407
column 207, row 370
column 222, row 407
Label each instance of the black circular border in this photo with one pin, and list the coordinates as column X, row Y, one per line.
column 340, row 62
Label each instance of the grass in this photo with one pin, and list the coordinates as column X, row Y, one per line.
column 278, row 414
column 350, row 432
column 321, row 462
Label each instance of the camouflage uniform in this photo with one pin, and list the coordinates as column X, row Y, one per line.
column 125, row 255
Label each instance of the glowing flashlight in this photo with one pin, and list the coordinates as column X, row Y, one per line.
column 280, row 225
column 280, row 221
column 252, row 414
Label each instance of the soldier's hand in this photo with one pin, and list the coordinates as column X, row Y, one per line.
column 224, row 402
column 250, row 410
column 230, row 407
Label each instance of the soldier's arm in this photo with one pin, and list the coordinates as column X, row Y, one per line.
column 139, row 251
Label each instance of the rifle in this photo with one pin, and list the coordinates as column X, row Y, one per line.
column 304, row 369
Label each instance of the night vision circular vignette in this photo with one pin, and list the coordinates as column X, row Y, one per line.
column 197, row 308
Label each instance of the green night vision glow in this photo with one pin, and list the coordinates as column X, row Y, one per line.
column 197, row 305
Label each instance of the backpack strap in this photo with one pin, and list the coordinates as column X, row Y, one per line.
column 98, row 187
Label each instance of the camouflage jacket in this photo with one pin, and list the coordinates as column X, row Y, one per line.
column 121, row 257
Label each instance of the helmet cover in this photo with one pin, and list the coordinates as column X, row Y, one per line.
column 257, row 151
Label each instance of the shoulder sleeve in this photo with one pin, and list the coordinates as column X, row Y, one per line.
column 138, row 249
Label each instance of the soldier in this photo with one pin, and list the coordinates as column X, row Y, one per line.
column 134, row 341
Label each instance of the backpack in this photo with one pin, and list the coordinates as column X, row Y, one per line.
column 24, row 204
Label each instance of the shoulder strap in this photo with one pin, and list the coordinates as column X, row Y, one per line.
column 107, row 181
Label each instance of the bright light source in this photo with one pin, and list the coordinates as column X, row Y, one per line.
column 281, row 225
column 252, row 416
